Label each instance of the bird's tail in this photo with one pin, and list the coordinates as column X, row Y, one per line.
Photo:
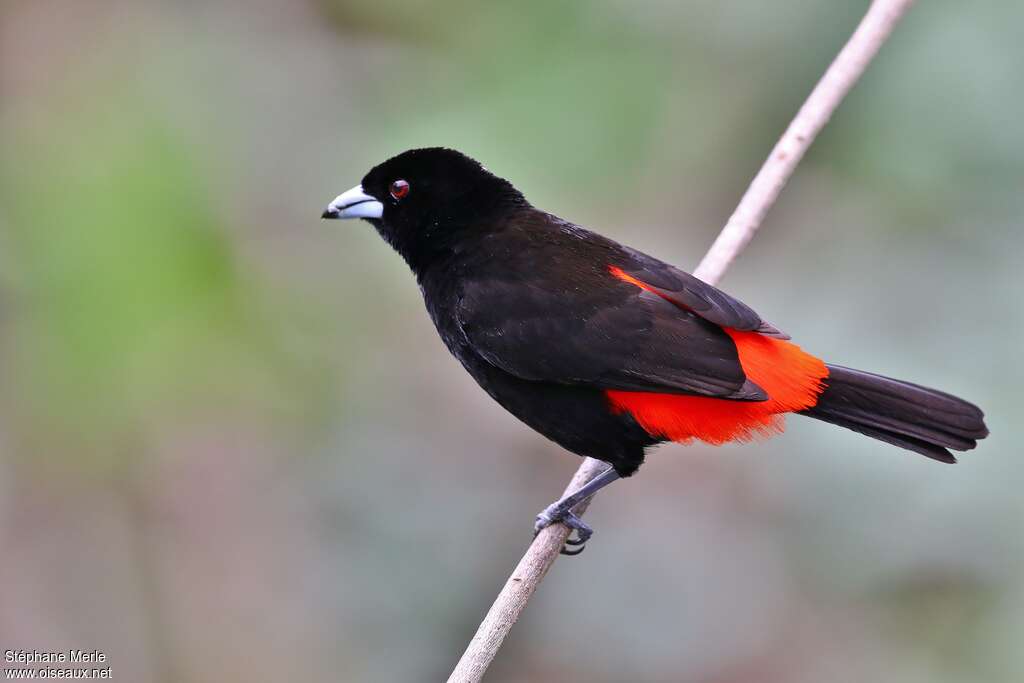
column 907, row 415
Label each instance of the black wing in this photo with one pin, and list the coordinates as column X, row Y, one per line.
column 692, row 294
column 594, row 330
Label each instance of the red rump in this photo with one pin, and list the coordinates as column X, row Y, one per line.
column 791, row 378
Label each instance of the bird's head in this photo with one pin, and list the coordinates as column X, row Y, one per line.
column 425, row 202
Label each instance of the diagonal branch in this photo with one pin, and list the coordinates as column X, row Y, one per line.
column 840, row 77
column 848, row 66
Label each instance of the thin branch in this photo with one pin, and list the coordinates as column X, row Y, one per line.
column 848, row 66
column 841, row 76
column 512, row 599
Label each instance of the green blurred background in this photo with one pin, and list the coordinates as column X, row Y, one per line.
column 232, row 447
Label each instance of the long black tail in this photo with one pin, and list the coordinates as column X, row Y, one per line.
column 903, row 414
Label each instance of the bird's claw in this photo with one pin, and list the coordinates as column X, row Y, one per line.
column 553, row 515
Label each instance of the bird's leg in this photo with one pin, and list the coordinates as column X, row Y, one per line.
column 561, row 511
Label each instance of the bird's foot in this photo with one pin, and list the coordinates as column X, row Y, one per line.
column 553, row 514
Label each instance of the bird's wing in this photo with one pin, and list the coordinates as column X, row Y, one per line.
column 687, row 292
column 609, row 335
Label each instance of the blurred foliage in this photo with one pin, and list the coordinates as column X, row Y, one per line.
column 127, row 305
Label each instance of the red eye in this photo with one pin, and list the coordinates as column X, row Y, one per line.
column 399, row 189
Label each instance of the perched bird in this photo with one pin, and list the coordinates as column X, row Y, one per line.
column 608, row 351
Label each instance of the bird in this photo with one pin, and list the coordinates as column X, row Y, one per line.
column 608, row 351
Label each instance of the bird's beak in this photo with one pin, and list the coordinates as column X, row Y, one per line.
column 354, row 204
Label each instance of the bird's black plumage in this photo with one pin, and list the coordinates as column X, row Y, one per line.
column 525, row 301
column 549, row 317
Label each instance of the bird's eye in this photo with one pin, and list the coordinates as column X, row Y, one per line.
column 399, row 189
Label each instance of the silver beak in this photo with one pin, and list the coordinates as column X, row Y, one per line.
column 354, row 204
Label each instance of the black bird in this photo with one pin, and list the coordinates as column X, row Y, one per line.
column 606, row 350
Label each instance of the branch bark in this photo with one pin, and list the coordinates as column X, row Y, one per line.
column 847, row 68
